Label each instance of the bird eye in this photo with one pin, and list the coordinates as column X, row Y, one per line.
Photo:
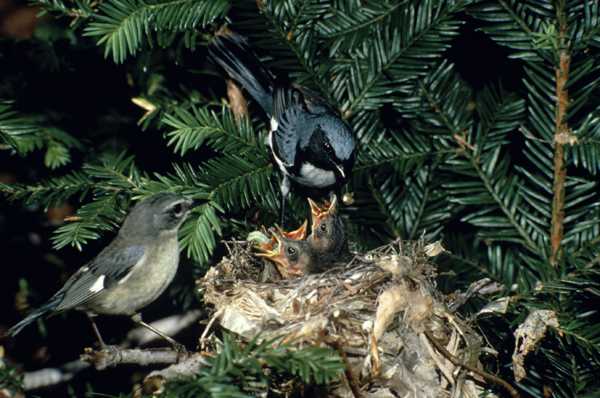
column 177, row 209
column 323, row 227
column 327, row 146
column 291, row 251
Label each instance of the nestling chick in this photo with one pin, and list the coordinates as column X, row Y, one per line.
column 290, row 252
column 131, row 272
column 328, row 234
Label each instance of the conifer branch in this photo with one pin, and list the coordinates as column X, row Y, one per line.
column 412, row 41
column 502, row 205
column 561, row 137
column 458, row 132
column 377, row 195
column 517, row 18
column 358, row 21
column 288, row 39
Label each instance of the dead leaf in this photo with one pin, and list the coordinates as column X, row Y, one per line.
column 498, row 306
column 434, row 249
column 528, row 335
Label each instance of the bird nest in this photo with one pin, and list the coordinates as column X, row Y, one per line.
column 381, row 310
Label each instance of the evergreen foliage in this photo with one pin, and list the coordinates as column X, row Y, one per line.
column 242, row 371
column 27, row 133
column 508, row 180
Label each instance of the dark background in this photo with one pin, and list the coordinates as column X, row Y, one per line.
column 90, row 97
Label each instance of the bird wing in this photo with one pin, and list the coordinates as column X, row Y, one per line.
column 109, row 267
column 290, row 118
column 313, row 101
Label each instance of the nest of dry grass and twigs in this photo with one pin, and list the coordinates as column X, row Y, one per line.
column 381, row 310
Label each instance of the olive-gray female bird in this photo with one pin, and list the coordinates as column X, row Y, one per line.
column 129, row 273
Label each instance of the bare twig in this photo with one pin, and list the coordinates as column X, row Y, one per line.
column 47, row 377
column 456, row 362
column 112, row 356
column 561, row 137
column 52, row 376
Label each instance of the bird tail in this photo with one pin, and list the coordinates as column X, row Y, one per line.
column 34, row 315
column 232, row 52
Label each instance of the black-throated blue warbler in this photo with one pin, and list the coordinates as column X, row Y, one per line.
column 310, row 143
column 129, row 273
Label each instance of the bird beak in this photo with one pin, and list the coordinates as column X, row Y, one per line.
column 341, row 170
column 333, row 206
column 269, row 249
column 277, row 256
column 329, row 208
column 317, row 213
column 297, row 234
column 196, row 202
column 315, row 210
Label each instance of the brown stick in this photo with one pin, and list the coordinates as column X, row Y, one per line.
column 456, row 362
column 561, row 136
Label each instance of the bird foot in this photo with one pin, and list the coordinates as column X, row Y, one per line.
column 101, row 358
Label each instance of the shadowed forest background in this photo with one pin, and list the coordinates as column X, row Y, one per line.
column 457, row 111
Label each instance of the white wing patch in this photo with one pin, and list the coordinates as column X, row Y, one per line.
column 134, row 269
column 274, row 124
column 281, row 165
column 98, row 285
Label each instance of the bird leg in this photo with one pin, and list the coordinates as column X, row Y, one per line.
column 137, row 318
column 96, row 331
column 285, row 191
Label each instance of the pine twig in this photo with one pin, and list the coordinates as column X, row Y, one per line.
column 561, row 136
column 456, row 362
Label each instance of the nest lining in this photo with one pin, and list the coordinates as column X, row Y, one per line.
column 380, row 307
